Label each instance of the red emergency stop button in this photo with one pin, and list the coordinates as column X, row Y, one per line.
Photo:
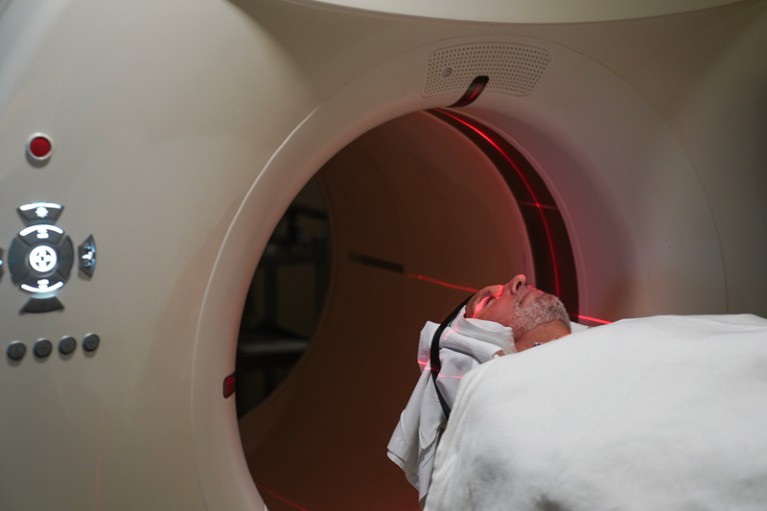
column 39, row 148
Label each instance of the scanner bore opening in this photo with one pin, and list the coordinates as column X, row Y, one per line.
column 393, row 241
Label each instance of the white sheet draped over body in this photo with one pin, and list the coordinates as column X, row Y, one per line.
column 660, row 413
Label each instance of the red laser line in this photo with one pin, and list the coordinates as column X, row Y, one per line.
column 442, row 283
column 537, row 203
column 449, row 285
column 595, row 320
column 280, row 497
column 425, row 367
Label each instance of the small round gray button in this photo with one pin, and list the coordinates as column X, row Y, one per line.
column 67, row 345
column 42, row 348
column 91, row 342
column 16, row 351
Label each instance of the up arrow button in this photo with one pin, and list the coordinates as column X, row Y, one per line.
column 40, row 212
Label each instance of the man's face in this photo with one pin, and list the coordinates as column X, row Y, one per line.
column 517, row 305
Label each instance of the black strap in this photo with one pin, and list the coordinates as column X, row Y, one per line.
column 435, row 362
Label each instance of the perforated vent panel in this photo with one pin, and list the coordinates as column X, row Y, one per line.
column 512, row 68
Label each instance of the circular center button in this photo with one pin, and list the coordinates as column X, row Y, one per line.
column 43, row 259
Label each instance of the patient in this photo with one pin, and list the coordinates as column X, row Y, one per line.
column 662, row 412
column 498, row 320
column 535, row 317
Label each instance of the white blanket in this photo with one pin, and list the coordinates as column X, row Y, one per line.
column 662, row 413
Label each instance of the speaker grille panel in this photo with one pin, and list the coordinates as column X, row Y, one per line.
column 512, row 68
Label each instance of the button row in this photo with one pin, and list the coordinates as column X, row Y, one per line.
column 42, row 348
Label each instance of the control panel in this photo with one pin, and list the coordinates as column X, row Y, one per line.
column 41, row 257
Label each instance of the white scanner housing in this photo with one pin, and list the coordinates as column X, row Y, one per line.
column 179, row 133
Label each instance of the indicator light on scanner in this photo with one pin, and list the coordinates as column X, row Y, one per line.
column 229, row 382
column 39, row 149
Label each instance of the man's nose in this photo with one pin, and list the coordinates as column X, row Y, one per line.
column 517, row 282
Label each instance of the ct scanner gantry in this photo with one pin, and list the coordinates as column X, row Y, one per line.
column 612, row 151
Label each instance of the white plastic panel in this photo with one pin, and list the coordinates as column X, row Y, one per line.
column 527, row 11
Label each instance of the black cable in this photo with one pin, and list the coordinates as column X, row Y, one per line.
column 436, row 363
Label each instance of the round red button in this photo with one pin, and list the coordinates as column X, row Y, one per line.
column 39, row 147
